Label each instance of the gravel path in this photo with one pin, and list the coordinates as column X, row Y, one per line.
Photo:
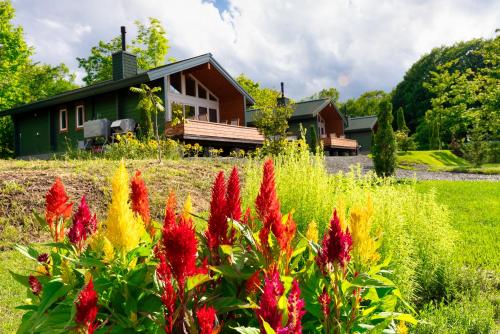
column 343, row 163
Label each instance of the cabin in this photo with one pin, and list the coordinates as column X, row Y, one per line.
column 362, row 130
column 198, row 90
column 322, row 121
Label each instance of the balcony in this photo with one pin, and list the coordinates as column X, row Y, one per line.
column 333, row 141
column 203, row 131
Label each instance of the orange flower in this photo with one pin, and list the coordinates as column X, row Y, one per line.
column 57, row 207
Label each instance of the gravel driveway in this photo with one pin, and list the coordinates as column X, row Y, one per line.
column 343, row 163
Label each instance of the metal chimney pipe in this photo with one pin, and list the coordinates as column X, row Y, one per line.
column 124, row 45
column 283, row 91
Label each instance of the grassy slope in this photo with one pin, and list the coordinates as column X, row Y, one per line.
column 475, row 213
column 443, row 160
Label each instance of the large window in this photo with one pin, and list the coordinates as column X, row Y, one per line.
column 63, row 119
column 190, row 86
column 176, row 83
column 80, row 116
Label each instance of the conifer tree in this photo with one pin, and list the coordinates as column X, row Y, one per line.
column 384, row 153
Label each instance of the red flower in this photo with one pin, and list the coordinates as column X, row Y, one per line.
column 253, row 283
column 295, row 311
column 168, row 296
column 268, row 307
column 76, row 234
column 180, row 245
column 206, row 319
column 56, row 207
column 84, row 224
column 233, row 197
column 86, row 307
column 325, row 301
column 170, row 210
column 268, row 206
column 140, row 200
column 336, row 245
column 43, row 258
column 36, row 286
column 286, row 237
column 217, row 222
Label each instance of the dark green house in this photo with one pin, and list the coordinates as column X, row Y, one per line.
column 319, row 117
column 212, row 102
column 362, row 130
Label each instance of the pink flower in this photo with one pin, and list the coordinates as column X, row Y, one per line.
column 325, row 300
column 336, row 246
column 268, row 306
column 295, row 311
column 206, row 319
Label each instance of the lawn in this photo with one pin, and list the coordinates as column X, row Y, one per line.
column 475, row 214
column 443, row 160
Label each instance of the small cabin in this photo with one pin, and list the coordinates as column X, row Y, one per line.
column 362, row 130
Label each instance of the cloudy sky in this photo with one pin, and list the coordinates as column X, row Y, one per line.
column 353, row 45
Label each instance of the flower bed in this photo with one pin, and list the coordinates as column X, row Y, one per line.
column 236, row 272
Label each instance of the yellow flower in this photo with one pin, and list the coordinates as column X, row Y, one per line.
column 102, row 246
column 67, row 274
column 123, row 230
column 312, row 231
column 42, row 270
column 364, row 247
column 402, row 329
column 188, row 207
column 87, row 276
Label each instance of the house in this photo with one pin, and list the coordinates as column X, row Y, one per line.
column 362, row 130
column 212, row 103
column 319, row 118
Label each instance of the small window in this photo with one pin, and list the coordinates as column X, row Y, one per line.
column 175, row 83
column 202, row 92
column 212, row 115
column 190, row 86
column 63, row 120
column 202, row 113
column 212, row 98
column 189, row 112
column 80, row 116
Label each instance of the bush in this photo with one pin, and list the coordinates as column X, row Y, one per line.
column 384, row 149
column 404, row 142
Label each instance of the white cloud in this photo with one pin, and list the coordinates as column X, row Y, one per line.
column 354, row 45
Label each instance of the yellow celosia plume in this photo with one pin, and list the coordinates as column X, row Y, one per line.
column 312, row 232
column 364, row 247
column 123, row 229
column 341, row 214
column 188, row 208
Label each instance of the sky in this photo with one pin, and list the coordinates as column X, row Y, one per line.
column 352, row 45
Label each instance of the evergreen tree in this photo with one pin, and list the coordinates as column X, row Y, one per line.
column 400, row 118
column 384, row 153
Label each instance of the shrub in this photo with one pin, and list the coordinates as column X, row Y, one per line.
column 404, row 142
column 384, row 150
column 236, row 271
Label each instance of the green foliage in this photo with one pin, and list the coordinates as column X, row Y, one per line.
column 400, row 118
column 384, row 150
column 367, row 104
column 404, row 142
column 476, row 150
column 331, row 93
column 150, row 46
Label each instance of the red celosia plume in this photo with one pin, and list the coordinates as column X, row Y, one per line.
column 336, row 245
column 35, row 285
column 233, row 196
column 56, row 207
column 168, row 296
column 140, row 199
column 84, row 224
column 325, row 300
column 295, row 311
column 86, row 308
column 170, row 207
column 268, row 306
column 217, row 221
column 206, row 319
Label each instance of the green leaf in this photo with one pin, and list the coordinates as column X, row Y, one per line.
column 20, row 278
column 267, row 327
column 246, row 330
column 193, row 281
column 29, row 252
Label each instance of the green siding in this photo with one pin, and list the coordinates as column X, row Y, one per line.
column 105, row 106
column 33, row 133
column 364, row 139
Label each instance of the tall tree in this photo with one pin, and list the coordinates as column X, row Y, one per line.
column 384, row 150
column 367, row 104
column 331, row 93
column 400, row 118
column 150, row 46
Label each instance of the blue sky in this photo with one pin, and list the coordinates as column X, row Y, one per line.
column 353, row 45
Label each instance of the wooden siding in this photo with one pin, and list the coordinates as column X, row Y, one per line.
column 207, row 131
column 332, row 142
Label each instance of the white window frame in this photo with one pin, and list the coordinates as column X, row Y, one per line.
column 82, row 108
column 194, row 101
column 61, row 128
column 322, row 125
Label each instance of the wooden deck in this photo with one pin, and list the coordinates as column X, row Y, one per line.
column 340, row 143
column 215, row 132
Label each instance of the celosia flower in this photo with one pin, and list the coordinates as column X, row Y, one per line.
column 140, row 199
column 364, row 247
column 124, row 230
column 180, row 245
column 217, row 221
column 76, row 234
column 252, row 284
column 295, row 311
column 86, row 308
column 84, row 224
column 287, row 235
column 57, row 207
column 312, row 232
column 206, row 319
column 268, row 206
column 325, row 300
column 336, row 245
column 170, row 210
column 233, row 197
column 43, row 258
column 168, row 296
column 268, row 306
column 35, row 285
column 187, row 209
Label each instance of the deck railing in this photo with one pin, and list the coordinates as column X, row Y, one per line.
column 336, row 142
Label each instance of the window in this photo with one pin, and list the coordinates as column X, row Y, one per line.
column 212, row 98
column 80, row 116
column 190, row 86
column 203, row 114
column 212, row 116
column 202, row 92
column 63, row 120
column 189, row 112
column 175, row 83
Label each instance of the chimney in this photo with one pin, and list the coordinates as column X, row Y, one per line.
column 124, row 63
column 282, row 100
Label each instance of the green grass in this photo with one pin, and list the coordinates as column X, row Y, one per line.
column 443, row 160
column 475, row 214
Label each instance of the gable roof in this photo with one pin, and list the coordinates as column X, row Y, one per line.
column 302, row 110
column 361, row 123
column 112, row 85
